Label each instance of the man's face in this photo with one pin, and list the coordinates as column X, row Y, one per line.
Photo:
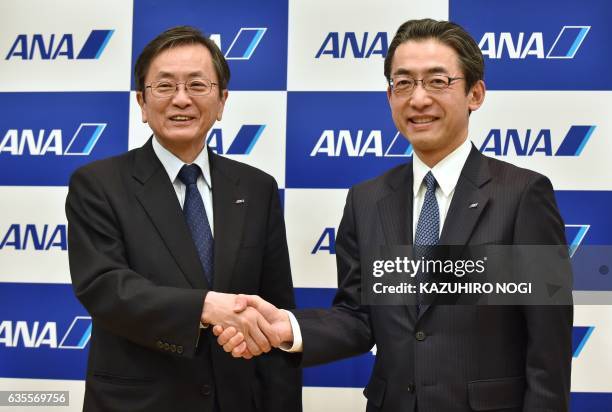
column 181, row 121
column 435, row 122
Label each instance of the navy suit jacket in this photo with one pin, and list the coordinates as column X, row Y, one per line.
column 449, row 358
column 136, row 270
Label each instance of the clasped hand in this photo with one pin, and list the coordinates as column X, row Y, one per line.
column 246, row 325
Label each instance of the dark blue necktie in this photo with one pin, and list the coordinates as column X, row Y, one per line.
column 196, row 218
column 428, row 229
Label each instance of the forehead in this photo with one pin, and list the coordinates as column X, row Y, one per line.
column 422, row 56
column 182, row 61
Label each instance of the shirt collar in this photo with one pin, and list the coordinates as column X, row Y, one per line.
column 173, row 164
column 446, row 171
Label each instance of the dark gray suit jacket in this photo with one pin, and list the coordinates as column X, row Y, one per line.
column 136, row 270
column 450, row 358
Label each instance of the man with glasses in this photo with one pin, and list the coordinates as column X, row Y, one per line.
column 162, row 237
column 434, row 358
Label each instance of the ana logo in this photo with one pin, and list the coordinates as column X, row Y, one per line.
column 36, row 334
column 244, row 43
column 505, row 44
column 32, row 237
column 243, row 143
column 534, row 141
column 339, row 45
column 42, row 141
column 51, row 47
column 580, row 336
column 575, row 235
column 361, row 143
column 326, row 242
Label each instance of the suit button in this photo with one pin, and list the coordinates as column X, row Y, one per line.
column 420, row 335
column 173, row 348
column 179, row 349
column 160, row 344
column 206, row 390
column 410, row 388
column 166, row 346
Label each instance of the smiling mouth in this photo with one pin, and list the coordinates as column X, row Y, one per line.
column 181, row 118
column 422, row 120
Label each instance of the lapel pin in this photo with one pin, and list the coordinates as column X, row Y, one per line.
column 239, row 201
column 473, row 206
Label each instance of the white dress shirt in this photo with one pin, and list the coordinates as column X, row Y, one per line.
column 173, row 165
column 446, row 172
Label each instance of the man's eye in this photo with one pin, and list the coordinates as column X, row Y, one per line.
column 198, row 85
column 164, row 85
column 437, row 82
column 403, row 83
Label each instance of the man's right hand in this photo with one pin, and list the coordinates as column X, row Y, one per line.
column 227, row 311
column 234, row 341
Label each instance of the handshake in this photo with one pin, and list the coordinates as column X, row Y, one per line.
column 246, row 325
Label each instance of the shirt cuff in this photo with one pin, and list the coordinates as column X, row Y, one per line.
column 297, row 345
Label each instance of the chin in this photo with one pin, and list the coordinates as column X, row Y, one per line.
column 182, row 137
column 423, row 143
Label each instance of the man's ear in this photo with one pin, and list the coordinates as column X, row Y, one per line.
column 476, row 95
column 141, row 102
column 222, row 101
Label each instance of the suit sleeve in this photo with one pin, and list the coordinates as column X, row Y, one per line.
column 344, row 330
column 119, row 299
column 549, row 328
column 281, row 380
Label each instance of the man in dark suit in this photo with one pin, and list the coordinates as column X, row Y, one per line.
column 435, row 358
column 162, row 236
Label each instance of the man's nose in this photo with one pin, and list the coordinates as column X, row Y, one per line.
column 420, row 97
column 181, row 97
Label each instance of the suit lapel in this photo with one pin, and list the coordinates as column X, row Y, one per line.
column 467, row 205
column 395, row 209
column 395, row 213
column 468, row 202
column 229, row 219
column 158, row 198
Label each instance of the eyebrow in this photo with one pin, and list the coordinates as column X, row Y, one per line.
column 163, row 74
column 432, row 70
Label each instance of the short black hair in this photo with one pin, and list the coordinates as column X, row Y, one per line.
column 451, row 34
column 180, row 36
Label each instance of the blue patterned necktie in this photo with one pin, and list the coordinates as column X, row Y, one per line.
column 195, row 216
column 428, row 229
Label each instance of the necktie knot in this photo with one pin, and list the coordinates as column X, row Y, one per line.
column 189, row 174
column 430, row 181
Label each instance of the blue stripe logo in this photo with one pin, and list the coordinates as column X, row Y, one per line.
column 580, row 336
column 85, row 138
column 54, row 46
column 78, row 334
column 533, row 141
column 246, row 139
column 575, row 235
column 243, row 143
column 575, row 140
column 95, row 44
column 399, row 147
column 568, row 42
column 244, row 44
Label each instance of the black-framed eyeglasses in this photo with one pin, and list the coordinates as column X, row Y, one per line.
column 194, row 87
column 405, row 85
